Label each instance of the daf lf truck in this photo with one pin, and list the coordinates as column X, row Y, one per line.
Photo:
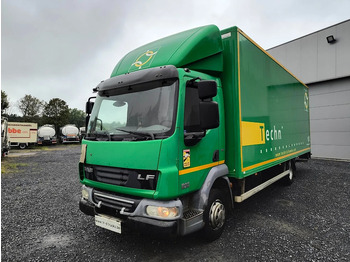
column 185, row 127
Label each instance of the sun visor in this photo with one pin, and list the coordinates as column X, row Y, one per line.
column 144, row 76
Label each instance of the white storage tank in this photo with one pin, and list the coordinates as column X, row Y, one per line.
column 70, row 134
column 47, row 135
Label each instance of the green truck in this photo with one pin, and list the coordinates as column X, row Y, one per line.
column 185, row 127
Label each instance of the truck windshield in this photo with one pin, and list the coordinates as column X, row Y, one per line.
column 134, row 114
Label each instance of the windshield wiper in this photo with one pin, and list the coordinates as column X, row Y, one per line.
column 90, row 136
column 96, row 136
column 142, row 134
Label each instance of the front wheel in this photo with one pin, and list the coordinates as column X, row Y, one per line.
column 214, row 215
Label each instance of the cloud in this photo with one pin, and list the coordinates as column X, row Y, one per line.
column 65, row 48
column 50, row 37
column 48, row 47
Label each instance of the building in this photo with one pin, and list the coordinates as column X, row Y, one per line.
column 322, row 61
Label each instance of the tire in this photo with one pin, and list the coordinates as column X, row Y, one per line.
column 22, row 146
column 289, row 179
column 214, row 215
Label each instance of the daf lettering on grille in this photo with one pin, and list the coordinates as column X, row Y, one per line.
column 147, row 177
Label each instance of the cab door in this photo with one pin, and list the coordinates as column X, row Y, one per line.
column 199, row 147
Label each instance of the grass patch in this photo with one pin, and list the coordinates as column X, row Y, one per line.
column 8, row 167
column 38, row 148
column 44, row 148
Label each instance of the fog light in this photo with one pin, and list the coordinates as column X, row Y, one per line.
column 163, row 212
column 85, row 194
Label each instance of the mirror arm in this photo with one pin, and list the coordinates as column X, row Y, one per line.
column 192, row 82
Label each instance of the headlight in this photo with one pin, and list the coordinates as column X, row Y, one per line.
column 85, row 194
column 163, row 212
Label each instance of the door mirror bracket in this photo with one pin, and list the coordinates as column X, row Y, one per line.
column 193, row 138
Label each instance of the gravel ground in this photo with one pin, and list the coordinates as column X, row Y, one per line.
column 41, row 221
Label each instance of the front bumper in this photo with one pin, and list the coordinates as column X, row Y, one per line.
column 134, row 217
column 141, row 224
column 70, row 140
column 87, row 208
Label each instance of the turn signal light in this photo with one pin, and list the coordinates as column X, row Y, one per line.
column 162, row 212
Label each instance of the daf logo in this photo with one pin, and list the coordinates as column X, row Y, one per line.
column 145, row 59
column 147, row 177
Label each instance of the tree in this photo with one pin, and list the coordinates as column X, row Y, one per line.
column 56, row 112
column 30, row 107
column 14, row 118
column 77, row 117
column 4, row 102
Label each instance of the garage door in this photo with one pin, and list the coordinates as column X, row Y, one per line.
column 330, row 119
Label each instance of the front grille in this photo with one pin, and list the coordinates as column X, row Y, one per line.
column 115, row 202
column 141, row 179
column 112, row 176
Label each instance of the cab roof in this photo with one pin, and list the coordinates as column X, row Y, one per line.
column 197, row 49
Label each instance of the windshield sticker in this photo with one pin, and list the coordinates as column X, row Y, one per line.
column 186, row 158
column 144, row 60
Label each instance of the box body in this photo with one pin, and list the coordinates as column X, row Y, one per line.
column 266, row 108
column 20, row 132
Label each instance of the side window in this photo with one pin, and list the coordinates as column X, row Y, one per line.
column 192, row 120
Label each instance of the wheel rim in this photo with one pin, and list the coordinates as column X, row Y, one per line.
column 217, row 214
column 290, row 171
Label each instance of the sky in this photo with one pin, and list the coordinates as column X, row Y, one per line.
column 63, row 49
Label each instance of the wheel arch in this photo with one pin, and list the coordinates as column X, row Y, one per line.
column 216, row 178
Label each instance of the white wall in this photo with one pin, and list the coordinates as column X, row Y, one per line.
column 312, row 59
column 326, row 69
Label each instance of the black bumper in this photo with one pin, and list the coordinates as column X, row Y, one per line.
column 140, row 224
column 152, row 226
column 87, row 208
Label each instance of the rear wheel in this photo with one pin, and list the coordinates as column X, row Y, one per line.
column 214, row 215
column 288, row 179
column 22, row 146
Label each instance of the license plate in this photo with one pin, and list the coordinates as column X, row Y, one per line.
column 110, row 223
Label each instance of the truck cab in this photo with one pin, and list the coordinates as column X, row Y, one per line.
column 147, row 146
column 5, row 144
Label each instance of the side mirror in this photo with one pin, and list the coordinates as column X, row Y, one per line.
column 209, row 115
column 88, row 108
column 209, row 110
column 87, row 119
column 207, row 89
column 89, row 105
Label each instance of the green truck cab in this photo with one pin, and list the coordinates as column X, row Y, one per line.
column 186, row 126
